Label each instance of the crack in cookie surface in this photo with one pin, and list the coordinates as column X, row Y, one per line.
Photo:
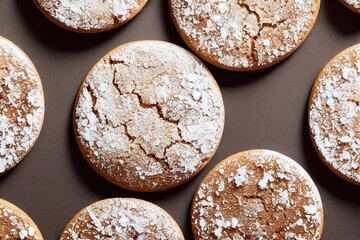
column 149, row 115
column 244, row 34
column 257, row 194
column 21, row 105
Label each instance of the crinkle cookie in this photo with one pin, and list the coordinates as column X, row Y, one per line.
column 244, row 35
column 149, row 116
column 353, row 5
column 90, row 16
column 334, row 114
column 257, row 194
column 21, row 105
column 15, row 224
column 122, row 218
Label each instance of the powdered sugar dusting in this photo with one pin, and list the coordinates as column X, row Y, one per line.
column 275, row 200
column 149, row 115
column 21, row 105
column 353, row 3
column 91, row 14
column 335, row 112
column 244, row 34
column 14, row 225
column 122, row 219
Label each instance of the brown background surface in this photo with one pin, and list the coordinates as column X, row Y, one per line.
column 264, row 109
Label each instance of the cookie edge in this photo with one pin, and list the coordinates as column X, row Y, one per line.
column 207, row 57
column 292, row 162
column 22, row 214
column 80, row 30
column 161, row 210
column 43, row 100
column 122, row 184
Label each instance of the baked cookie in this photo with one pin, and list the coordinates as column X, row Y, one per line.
column 148, row 116
column 21, row 105
column 90, row 16
column 334, row 114
column 353, row 5
column 257, row 194
column 15, row 224
column 122, row 218
column 244, row 35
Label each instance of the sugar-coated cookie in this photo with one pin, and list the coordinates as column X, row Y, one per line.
column 149, row 116
column 334, row 114
column 353, row 5
column 90, row 16
column 244, row 35
column 21, row 105
column 257, row 194
column 15, row 224
column 122, row 218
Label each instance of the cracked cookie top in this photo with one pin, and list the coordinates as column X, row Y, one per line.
column 21, row 105
column 244, row 35
column 354, row 5
column 334, row 114
column 90, row 15
column 15, row 224
column 149, row 116
column 258, row 194
column 122, row 218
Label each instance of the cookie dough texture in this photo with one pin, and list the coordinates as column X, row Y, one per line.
column 90, row 15
column 21, row 105
column 149, row 116
column 258, row 194
column 244, row 35
column 15, row 224
column 353, row 5
column 122, row 218
column 334, row 114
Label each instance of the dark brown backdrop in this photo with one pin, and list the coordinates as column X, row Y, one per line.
column 264, row 109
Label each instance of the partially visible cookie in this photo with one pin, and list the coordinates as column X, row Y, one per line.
column 258, row 194
column 334, row 114
column 149, row 116
column 122, row 218
column 21, row 105
column 15, row 224
column 90, row 16
column 244, row 35
column 353, row 5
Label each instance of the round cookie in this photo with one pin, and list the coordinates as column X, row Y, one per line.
column 148, row 116
column 15, row 224
column 90, row 16
column 21, row 105
column 122, row 218
column 334, row 114
column 244, row 35
column 353, row 5
column 258, row 194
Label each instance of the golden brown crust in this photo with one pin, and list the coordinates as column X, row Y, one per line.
column 16, row 224
column 333, row 69
column 31, row 82
column 355, row 9
column 149, row 183
column 109, row 27
column 122, row 218
column 257, row 194
column 219, row 61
